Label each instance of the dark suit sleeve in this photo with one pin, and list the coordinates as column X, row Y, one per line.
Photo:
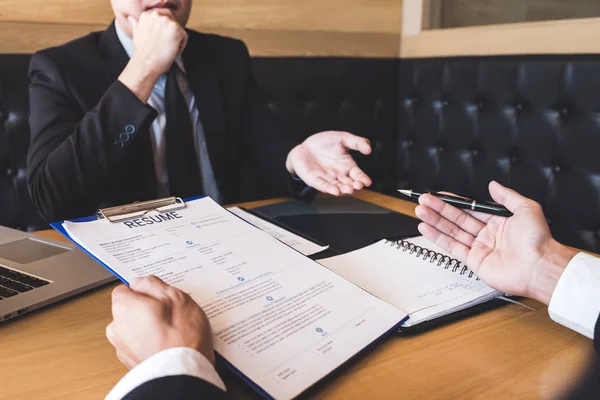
column 269, row 146
column 181, row 387
column 73, row 151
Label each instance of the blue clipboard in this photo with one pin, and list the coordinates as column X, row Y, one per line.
column 60, row 228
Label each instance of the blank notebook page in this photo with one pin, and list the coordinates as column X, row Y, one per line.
column 409, row 283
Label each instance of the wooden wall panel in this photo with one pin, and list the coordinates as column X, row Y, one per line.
column 271, row 27
column 463, row 13
column 575, row 36
column 25, row 37
column 331, row 15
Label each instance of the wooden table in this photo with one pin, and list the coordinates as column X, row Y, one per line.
column 61, row 353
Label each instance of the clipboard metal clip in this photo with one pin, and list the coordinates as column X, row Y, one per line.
column 139, row 209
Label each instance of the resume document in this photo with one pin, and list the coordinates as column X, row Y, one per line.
column 279, row 318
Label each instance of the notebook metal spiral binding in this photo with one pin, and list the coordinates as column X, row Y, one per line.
column 418, row 251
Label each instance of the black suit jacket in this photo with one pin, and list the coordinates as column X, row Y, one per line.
column 180, row 387
column 589, row 387
column 79, row 111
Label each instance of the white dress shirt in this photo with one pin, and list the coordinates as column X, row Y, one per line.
column 157, row 130
column 575, row 302
column 171, row 362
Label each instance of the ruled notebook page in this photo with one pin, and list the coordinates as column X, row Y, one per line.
column 418, row 287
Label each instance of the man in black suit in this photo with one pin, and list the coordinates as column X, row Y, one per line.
column 147, row 109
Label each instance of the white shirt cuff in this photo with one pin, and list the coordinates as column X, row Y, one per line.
column 575, row 302
column 170, row 362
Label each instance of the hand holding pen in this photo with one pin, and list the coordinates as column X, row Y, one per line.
column 515, row 255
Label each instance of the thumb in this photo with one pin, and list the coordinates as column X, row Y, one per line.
column 507, row 197
column 133, row 22
column 356, row 143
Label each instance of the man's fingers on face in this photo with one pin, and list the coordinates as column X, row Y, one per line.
column 160, row 12
column 133, row 22
column 183, row 42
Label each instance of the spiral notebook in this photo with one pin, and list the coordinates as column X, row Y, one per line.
column 413, row 275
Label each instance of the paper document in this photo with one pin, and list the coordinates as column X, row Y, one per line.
column 281, row 319
column 304, row 246
column 418, row 287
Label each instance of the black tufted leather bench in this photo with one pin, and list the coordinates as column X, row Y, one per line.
column 532, row 123
column 16, row 210
column 309, row 95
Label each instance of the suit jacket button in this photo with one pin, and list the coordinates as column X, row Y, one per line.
column 124, row 137
column 119, row 144
column 130, row 129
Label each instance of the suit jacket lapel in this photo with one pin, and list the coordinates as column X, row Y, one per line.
column 203, row 79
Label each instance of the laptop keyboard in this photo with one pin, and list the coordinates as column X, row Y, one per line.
column 14, row 282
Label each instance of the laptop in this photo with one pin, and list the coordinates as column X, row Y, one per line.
column 36, row 271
